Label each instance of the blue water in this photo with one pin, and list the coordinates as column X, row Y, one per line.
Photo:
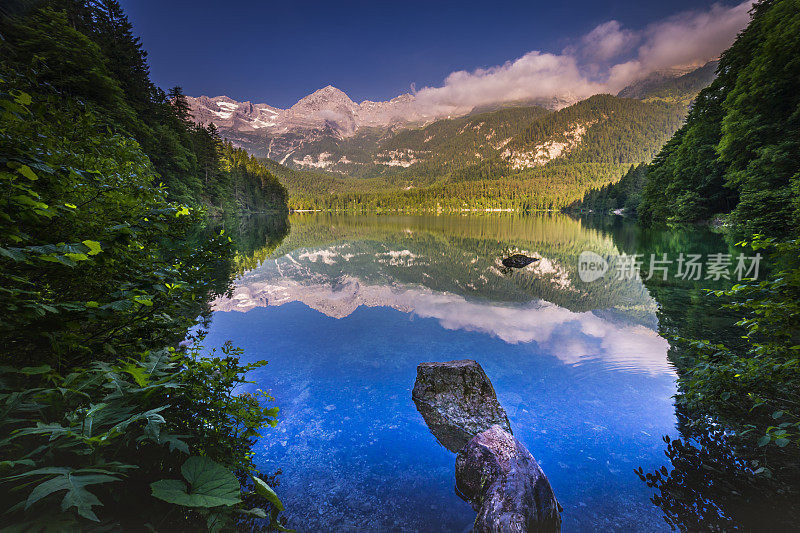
column 587, row 391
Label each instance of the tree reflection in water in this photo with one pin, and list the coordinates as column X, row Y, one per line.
column 715, row 483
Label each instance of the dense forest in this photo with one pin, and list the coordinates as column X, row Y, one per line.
column 107, row 260
column 464, row 170
column 737, row 156
column 624, row 195
column 736, row 159
column 86, row 51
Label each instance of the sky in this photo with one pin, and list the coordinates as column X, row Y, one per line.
column 452, row 55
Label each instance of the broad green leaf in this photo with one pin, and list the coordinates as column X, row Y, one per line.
column 12, row 254
column 77, row 496
column 12, row 464
column 143, row 300
column 93, row 246
column 255, row 511
column 138, row 373
column 174, row 442
column 215, row 523
column 26, row 171
column 29, row 370
column 21, row 97
column 211, row 485
column 264, row 490
column 169, row 490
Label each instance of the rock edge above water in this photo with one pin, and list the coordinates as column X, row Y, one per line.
column 457, row 401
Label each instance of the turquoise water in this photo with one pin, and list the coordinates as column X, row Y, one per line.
column 346, row 308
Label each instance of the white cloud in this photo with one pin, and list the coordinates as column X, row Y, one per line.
column 607, row 41
column 687, row 39
column 534, row 76
column 596, row 63
column 572, row 337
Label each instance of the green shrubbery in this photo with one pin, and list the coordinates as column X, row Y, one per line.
column 737, row 462
column 100, row 447
column 104, row 424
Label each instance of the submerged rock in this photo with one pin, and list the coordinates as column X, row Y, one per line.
column 518, row 261
column 502, row 481
column 457, row 401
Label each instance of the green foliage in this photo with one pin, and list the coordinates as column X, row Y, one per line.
column 739, row 151
column 465, row 163
column 99, row 271
column 95, row 260
column 101, row 440
column 756, row 390
column 736, row 465
column 85, row 51
column 209, row 485
column 250, row 185
column 626, row 194
column 760, row 142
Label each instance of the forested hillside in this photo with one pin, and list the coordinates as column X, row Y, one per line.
column 671, row 89
column 738, row 154
column 523, row 158
column 87, row 51
column 626, row 194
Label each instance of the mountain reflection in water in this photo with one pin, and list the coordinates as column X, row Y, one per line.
column 347, row 306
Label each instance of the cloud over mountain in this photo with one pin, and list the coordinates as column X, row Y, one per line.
column 604, row 60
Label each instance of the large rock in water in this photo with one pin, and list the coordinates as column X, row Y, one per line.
column 502, row 481
column 518, row 261
column 457, row 401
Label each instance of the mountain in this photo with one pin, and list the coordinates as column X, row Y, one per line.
column 327, row 130
column 425, row 151
column 328, row 113
column 516, row 158
column 672, row 85
column 331, row 152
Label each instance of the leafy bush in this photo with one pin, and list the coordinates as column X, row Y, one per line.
column 102, row 444
column 739, row 411
column 99, row 272
column 95, row 260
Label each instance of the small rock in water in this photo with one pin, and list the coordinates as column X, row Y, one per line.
column 518, row 261
column 502, row 481
column 457, row 401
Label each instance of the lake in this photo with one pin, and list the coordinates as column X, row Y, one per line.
column 347, row 306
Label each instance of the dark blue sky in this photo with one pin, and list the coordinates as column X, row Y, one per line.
column 277, row 52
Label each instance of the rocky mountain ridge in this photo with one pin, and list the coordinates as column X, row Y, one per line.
column 328, row 131
column 327, row 107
